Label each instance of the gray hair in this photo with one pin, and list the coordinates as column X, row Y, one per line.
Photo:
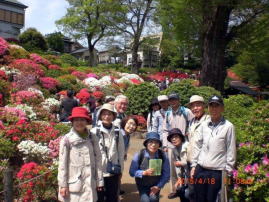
column 119, row 97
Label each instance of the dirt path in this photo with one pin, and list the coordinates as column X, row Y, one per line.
column 128, row 183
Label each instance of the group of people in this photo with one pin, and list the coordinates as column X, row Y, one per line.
column 183, row 145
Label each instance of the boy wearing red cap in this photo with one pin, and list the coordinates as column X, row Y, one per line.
column 80, row 170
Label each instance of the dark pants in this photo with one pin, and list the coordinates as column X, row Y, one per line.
column 207, row 184
column 110, row 194
column 144, row 192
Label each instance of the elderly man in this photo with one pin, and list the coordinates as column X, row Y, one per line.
column 214, row 152
column 197, row 106
column 121, row 105
column 160, row 115
column 176, row 117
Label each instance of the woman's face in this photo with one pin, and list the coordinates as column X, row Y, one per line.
column 107, row 117
column 155, row 107
column 79, row 124
column 130, row 126
column 176, row 140
column 153, row 146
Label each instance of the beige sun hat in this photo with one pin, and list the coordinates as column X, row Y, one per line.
column 162, row 98
column 196, row 98
column 108, row 107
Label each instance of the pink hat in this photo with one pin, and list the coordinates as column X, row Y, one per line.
column 79, row 112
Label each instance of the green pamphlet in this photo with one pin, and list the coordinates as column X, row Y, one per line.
column 156, row 164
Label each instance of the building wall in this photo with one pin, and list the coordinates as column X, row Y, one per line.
column 11, row 20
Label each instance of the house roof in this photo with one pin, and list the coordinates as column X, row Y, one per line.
column 81, row 50
column 244, row 88
column 15, row 2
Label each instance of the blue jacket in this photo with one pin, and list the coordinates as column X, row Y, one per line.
column 165, row 175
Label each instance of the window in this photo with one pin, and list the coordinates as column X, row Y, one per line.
column 12, row 17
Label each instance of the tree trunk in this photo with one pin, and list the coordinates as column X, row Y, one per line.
column 135, row 59
column 215, row 26
column 92, row 61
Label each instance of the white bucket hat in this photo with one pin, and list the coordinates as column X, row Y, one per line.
column 162, row 98
column 108, row 107
column 196, row 98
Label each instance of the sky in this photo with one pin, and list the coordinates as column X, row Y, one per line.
column 42, row 14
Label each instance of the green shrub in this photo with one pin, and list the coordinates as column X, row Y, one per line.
column 67, row 82
column 206, row 92
column 33, row 40
column 54, row 73
column 7, row 148
column 238, row 109
column 140, row 97
column 69, row 59
column 253, row 146
column 55, row 41
column 4, row 89
column 185, row 89
column 53, row 59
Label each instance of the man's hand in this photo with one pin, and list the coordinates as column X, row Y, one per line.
column 64, row 191
column 192, row 172
column 177, row 163
column 148, row 172
column 154, row 190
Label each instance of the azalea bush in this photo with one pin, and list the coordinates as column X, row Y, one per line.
column 10, row 115
column 33, row 151
column 28, row 66
column 252, row 138
column 26, row 97
column 79, row 75
column 35, row 131
column 67, row 82
column 24, row 81
column 17, row 52
column 3, row 46
column 34, row 190
column 49, row 83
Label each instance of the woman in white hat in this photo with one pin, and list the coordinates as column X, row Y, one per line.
column 111, row 144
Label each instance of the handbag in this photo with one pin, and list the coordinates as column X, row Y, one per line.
column 113, row 168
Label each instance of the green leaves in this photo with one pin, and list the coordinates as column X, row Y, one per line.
column 140, row 97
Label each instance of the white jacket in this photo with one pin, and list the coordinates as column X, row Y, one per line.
column 115, row 152
column 215, row 147
column 79, row 167
column 193, row 132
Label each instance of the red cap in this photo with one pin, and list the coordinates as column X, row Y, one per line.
column 79, row 112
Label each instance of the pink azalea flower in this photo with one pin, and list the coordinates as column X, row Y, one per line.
column 241, row 144
column 248, row 168
column 265, row 160
column 255, row 169
column 267, row 175
column 235, row 173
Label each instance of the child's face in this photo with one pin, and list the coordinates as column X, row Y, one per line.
column 79, row 124
column 153, row 146
column 176, row 140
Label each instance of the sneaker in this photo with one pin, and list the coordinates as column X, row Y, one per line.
column 172, row 195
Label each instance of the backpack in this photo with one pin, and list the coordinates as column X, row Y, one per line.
column 141, row 156
column 185, row 115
